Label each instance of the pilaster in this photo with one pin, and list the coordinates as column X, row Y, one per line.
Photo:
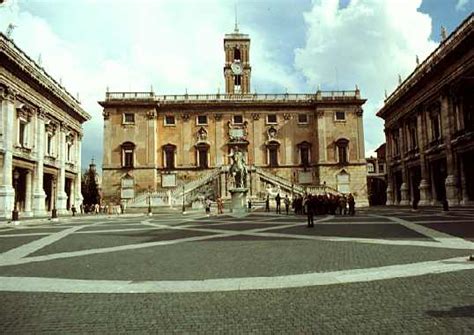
column 39, row 195
column 451, row 183
column 61, row 196
column 78, row 194
column 425, row 186
column 7, row 193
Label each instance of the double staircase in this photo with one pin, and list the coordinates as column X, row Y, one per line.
column 188, row 192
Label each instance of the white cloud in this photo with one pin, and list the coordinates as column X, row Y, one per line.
column 461, row 4
column 172, row 45
column 368, row 43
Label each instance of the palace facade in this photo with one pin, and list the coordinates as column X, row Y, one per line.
column 160, row 145
column 40, row 139
column 429, row 127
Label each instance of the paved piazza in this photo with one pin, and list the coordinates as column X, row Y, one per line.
column 381, row 271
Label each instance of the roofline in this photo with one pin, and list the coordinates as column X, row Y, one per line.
column 432, row 58
column 38, row 73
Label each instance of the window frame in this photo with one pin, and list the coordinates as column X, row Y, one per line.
column 124, row 118
column 342, row 150
column 336, row 119
column 303, row 122
column 165, row 121
column 267, row 121
column 237, row 115
column 199, row 123
column 128, row 155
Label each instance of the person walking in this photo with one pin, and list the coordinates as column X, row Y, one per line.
column 351, row 203
column 220, row 206
column 208, row 207
column 287, row 204
column 309, row 207
column 267, row 204
column 278, row 203
column 343, row 205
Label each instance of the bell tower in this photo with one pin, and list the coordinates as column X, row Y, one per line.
column 237, row 62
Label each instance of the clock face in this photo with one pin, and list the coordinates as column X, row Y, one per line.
column 236, row 68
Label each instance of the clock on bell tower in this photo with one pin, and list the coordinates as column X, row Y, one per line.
column 237, row 63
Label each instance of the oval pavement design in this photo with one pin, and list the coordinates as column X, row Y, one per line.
column 35, row 284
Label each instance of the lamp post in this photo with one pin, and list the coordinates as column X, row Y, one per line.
column 16, row 176
column 149, row 203
column 54, row 212
column 183, row 208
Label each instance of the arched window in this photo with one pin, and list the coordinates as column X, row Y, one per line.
column 272, row 148
column 128, row 149
column 168, row 155
column 342, row 146
column 202, row 150
column 305, row 151
column 236, row 54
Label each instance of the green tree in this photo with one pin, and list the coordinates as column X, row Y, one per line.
column 89, row 187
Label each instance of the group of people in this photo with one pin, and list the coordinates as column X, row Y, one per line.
column 315, row 205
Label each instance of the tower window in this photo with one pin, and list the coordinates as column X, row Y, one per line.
column 237, row 80
column 201, row 119
column 236, row 54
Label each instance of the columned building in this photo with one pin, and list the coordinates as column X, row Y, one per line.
column 40, row 138
column 156, row 144
column 429, row 127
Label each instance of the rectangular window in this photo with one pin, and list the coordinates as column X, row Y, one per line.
column 169, row 157
column 381, row 168
column 340, row 116
column 49, row 145
column 273, row 157
column 303, row 118
column 170, row 120
column 435, row 126
column 202, row 158
column 128, row 158
column 304, row 156
column 238, row 119
column 272, row 118
column 202, row 119
column 237, row 80
column 342, row 151
column 128, row 118
column 413, row 139
column 22, row 133
column 68, row 153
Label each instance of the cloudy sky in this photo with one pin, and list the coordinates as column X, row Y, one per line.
column 176, row 45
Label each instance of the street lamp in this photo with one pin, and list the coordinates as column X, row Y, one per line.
column 54, row 212
column 16, row 176
column 184, row 208
column 149, row 203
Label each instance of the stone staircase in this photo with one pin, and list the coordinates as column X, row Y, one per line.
column 174, row 196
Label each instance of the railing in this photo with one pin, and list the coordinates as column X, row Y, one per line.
column 180, row 98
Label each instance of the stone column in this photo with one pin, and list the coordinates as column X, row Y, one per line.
column 77, row 199
column 405, row 196
column 425, row 186
column 465, row 196
column 61, row 199
column 39, row 195
column 388, row 155
column 7, row 193
column 360, row 134
column 451, row 183
column 321, row 131
column 28, row 194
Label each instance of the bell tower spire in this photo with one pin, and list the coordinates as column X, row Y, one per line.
column 237, row 67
